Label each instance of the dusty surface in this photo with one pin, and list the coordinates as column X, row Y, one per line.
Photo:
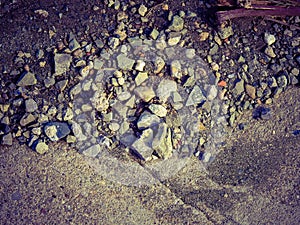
column 254, row 181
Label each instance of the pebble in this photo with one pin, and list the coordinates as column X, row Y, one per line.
column 56, row 130
column 92, row 151
column 195, row 97
column 190, row 53
column 84, row 71
column 30, row 105
column 269, row 39
column 140, row 64
column 154, row 34
column 114, row 127
column 203, row 36
column 140, row 78
column 158, row 110
column 282, row 81
column 113, row 42
column 142, row 146
column 147, row 120
column 225, row 32
column 270, row 52
column 162, row 142
column 251, row 91
column 159, row 64
column 124, row 62
column 142, row 10
column 239, row 88
column 295, row 71
column 145, row 93
column 212, row 92
column 176, row 69
column 61, row 85
column 174, row 38
column 27, row 119
column 74, row 45
column 49, row 81
column 177, row 23
column 7, row 139
column 40, row 147
column 27, row 79
column 165, row 88
column 62, row 63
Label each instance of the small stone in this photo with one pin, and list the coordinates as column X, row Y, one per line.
column 124, row 62
column 62, row 63
column 269, row 39
column 140, row 78
column 215, row 66
column 282, row 81
column 118, row 74
column 140, row 64
column 239, row 88
column 71, row 139
column 92, row 151
column 251, row 91
column 27, row 79
column 113, row 42
column 295, row 71
column 177, row 23
column 162, row 142
column 147, row 120
column 68, row 114
column 165, row 88
column 190, row 53
column 61, row 85
column 206, row 157
column 158, row 110
column 49, row 81
column 203, row 36
column 142, row 10
column 7, row 139
column 74, row 45
column 114, row 127
column 226, row 32
column 98, row 64
column 145, row 93
column 196, row 97
column 41, row 147
column 212, row 92
column 176, row 69
column 123, row 96
column 159, row 64
column 30, row 105
column 84, row 71
column 142, row 146
column 174, row 38
column 27, row 119
column 56, row 130
column 270, row 52
column 154, row 34
column 121, row 81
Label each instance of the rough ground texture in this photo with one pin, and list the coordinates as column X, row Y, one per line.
column 254, row 180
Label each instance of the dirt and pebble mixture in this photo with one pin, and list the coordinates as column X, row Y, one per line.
column 137, row 112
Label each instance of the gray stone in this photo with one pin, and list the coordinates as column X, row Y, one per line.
column 92, row 151
column 212, row 92
column 56, row 130
column 123, row 96
column 190, row 53
column 7, row 139
column 30, row 105
column 27, row 79
column 62, row 63
column 114, row 127
column 282, row 81
column 77, row 131
column 195, row 97
column 177, row 23
column 165, row 88
column 174, row 38
column 145, row 93
column 158, row 110
column 269, row 39
column 61, row 85
column 295, row 71
column 162, row 142
column 142, row 146
column 159, row 64
column 74, row 45
column 147, row 120
column 176, row 69
column 49, row 81
column 140, row 64
column 98, row 64
column 124, row 62
column 239, row 88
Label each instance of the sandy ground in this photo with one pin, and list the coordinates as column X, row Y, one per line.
column 255, row 180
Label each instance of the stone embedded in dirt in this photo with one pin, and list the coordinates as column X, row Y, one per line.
column 176, row 69
column 56, row 130
column 195, row 97
column 177, row 23
column 225, row 32
column 140, row 78
column 61, row 85
column 62, row 63
column 269, row 39
column 159, row 64
column 27, row 79
column 251, row 91
column 27, row 119
column 124, row 62
column 165, row 88
column 142, row 10
column 174, row 38
column 7, row 139
column 92, row 151
column 30, row 105
column 162, row 142
column 40, row 147
column 142, row 146
column 239, row 88
column 147, row 120
column 158, row 110
column 113, row 42
column 145, row 93
column 114, row 127
column 269, row 51
column 73, row 44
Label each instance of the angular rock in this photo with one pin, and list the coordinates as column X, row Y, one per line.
column 30, row 105
column 195, row 97
column 142, row 10
column 212, row 92
column 226, row 32
column 40, row 147
column 239, row 88
column 174, row 38
column 7, row 139
column 142, row 146
column 251, row 91
column 269, row 51
column 62, row 63
column 140, row 78
column 165, row 88
column 177, row 23
column 124, row 62
column 56, row 130
column 176, row 69
column 140, row 64
column 27, row 119
column 158, row 110
column 92, row 151
column 162, row 142
column 27, row 79
column 269, row 39
column 145, row 93
column 159, row 64
column 147, row 120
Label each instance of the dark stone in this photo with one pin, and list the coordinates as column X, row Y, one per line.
column 262, row 113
